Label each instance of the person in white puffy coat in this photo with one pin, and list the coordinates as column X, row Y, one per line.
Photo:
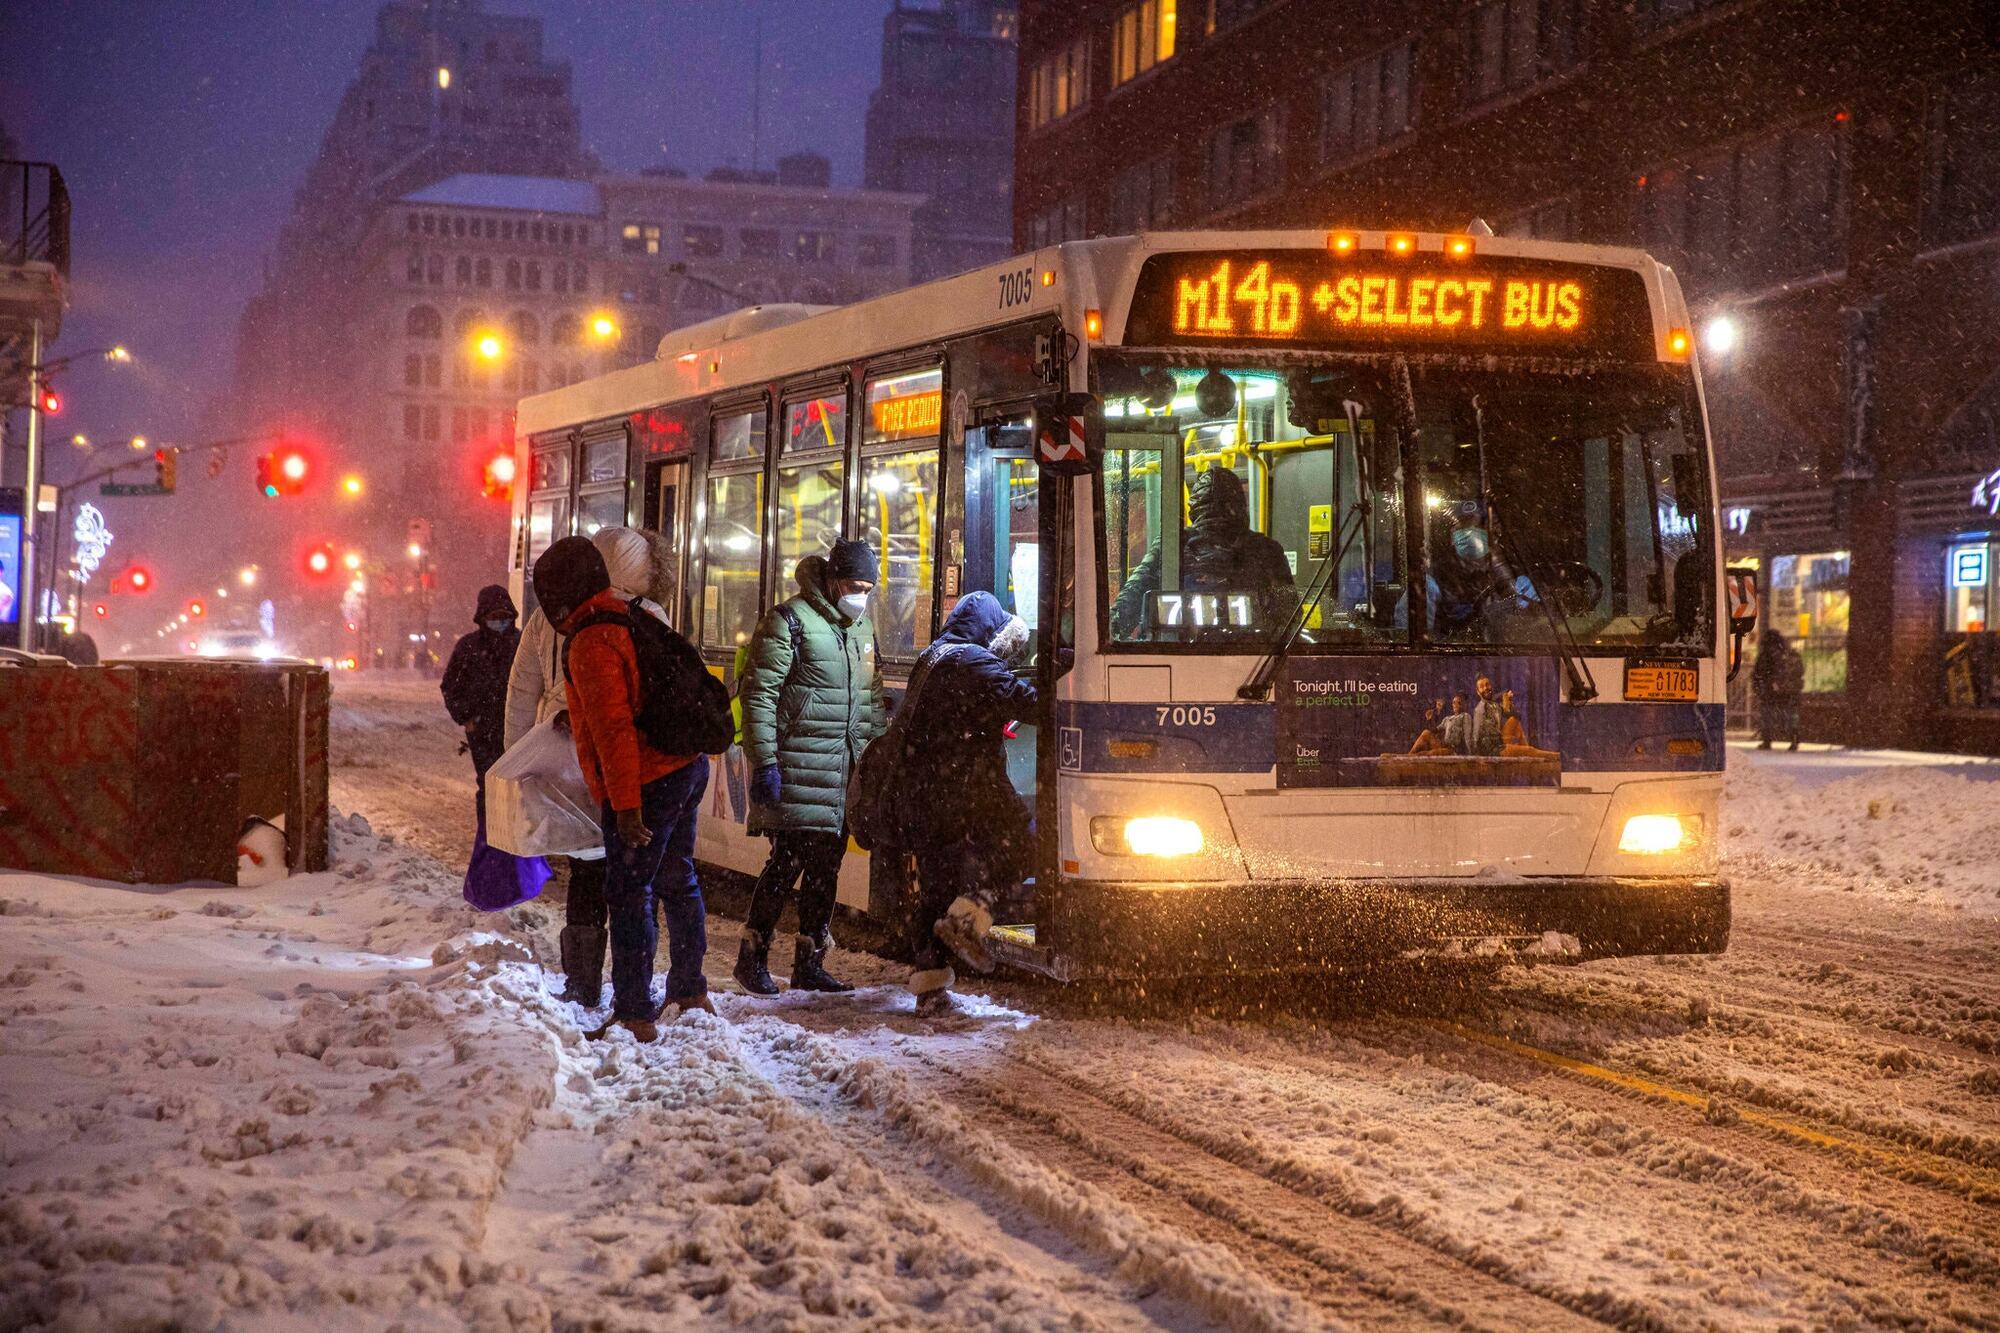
column 536, row 692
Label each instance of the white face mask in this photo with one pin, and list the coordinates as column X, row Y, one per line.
column 854, row 605
column 498, row 626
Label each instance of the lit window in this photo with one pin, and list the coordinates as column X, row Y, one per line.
column 1142, row 37
column 1059, row 84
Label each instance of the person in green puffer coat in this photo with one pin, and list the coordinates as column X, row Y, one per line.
column 812, row 700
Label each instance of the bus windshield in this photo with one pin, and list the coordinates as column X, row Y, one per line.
column 1553, row 506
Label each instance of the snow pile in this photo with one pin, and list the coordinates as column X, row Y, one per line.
column 1910, row 834
column 229, row 1105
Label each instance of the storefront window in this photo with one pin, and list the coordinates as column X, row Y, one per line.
column 1968, row 577
column 1809, row 607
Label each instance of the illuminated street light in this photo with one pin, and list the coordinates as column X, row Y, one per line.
column 351, row 486
column 80, row 441
column 247, row 576
column 603, row 327
column 444, row 76
column 117, row 353
column 416, row 551
column 1720, row 335
column 352, row 560
column 489, row 347
column 139, row 442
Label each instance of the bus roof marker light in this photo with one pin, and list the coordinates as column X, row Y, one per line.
column 1048, row 277
column 1402, row 245
column 1458, row 247
column 1093, row 324
column 1679, row 344
column 1341, row 242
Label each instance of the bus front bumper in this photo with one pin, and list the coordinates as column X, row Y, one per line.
column 1091, row 928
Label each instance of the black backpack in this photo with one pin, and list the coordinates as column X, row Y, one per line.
column 683, row 706
column 874, row 793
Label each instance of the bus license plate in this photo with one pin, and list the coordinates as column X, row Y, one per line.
column 1661, row 682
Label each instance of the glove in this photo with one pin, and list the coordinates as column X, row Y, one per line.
column 766, row 786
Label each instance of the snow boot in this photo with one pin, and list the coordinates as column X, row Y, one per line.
column 932, row 987
column 808, row 971
column 753, row 964
column 701, row 1002
column 963, row 929
column 582, row 949
column 643, row 1030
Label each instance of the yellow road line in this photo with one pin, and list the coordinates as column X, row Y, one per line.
column 1959, row 1176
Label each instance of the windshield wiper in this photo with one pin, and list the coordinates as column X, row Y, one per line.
column 1353, row 525
column 1582, row 685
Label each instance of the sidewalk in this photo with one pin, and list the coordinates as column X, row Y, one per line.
column 1815, row 762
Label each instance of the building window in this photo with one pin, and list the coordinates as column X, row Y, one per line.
column 759, row 243
column 413, row 421
column 1748, row 216
column 579, row 279
column 813, row 247
column 414, row 270
column 513, row 275
column 458, row 227
column 492, row 229
column 1552, row 221
column 527, row 330
column 423, row 321
column 1226, row 13
column 458, row 425
column 1809, row 607
column 1367, row 104
column 431, row 423
column 639, row 239
column 701, row 241
column 1059, row 222
column 1059, row 84
column 1245, row 159
column 462, row 271
column 431, row 371
column 1962, row 166
column 413, row 371
column 559, row 279
column 1142, row 37
column 483, row 273
column 430, row 224
column 434, row 270
column 410, row 223
column 1652, row 15
column 1518, row 43
column 534, row 280
column 1142, row 197
column 566, row 330
column 877, row 251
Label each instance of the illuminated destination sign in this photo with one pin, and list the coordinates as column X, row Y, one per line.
column 1313, row 298
column 909, row 416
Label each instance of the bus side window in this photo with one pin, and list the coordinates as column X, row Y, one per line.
column 732, row 538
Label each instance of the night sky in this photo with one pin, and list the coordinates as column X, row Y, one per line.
column 183, row 127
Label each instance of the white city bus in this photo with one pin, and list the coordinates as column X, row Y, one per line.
column 1474, row 701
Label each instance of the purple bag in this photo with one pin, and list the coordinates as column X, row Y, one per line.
column 496, row 880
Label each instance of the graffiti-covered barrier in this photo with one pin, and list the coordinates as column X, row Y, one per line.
column 148, row 772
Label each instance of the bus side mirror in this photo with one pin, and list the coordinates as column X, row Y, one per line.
column 1742, row 586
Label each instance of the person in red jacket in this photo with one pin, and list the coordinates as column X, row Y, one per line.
column 649, row 799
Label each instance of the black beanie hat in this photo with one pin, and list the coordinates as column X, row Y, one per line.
column 570, row 573
column 853, row 559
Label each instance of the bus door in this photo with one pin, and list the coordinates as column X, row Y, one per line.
column 1003, row 541
column 666, row 513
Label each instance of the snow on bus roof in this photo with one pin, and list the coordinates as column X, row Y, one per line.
column 526, row 194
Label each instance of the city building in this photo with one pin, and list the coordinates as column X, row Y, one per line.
column 941, row 124
column 469, row 293
column 1824, row 177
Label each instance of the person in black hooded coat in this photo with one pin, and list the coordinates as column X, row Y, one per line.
column 1219, row 554
column 961, row 815
column 475, row 680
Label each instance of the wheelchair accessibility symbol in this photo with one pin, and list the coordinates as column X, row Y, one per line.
column 1072, row 749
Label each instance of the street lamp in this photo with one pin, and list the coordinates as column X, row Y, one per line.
column 352, row 560
column 139, row 443
column 247, row 576
column 416, row 551
column 603, row 327
column 351, row 486
column 489, row 347
column 1720, row 336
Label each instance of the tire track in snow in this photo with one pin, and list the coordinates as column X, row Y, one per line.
column 1204, row 1276
column 1308, row 1211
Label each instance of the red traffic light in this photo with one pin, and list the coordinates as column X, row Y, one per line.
column 282, row 472
column 138, row 578
column 498, row 481
column 319, row 560
column 52, row 403
column 100, row 610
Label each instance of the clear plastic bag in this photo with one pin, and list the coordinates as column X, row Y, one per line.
column 536, row 801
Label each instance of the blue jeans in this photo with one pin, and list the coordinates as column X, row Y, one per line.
column 662, row 869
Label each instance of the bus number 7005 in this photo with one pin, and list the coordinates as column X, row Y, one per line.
column 1017, row 288
column 1180, row 716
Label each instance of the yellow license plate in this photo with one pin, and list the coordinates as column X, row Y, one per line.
column 1661, row 682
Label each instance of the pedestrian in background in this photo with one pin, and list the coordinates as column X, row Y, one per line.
column 812, row 700
column 537, row 690
column 967, row 825
column 475, row 681
column 649, row 799
column 1776, row 682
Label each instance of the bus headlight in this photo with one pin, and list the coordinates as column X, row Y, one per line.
column 1147, row 835
column 1652, row 835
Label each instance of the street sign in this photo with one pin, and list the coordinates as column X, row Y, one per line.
column 118, row 488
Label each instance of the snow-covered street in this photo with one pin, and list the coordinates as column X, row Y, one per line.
column 352, row 1101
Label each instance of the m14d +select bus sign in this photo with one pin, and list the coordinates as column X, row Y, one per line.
column 1376, row 302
